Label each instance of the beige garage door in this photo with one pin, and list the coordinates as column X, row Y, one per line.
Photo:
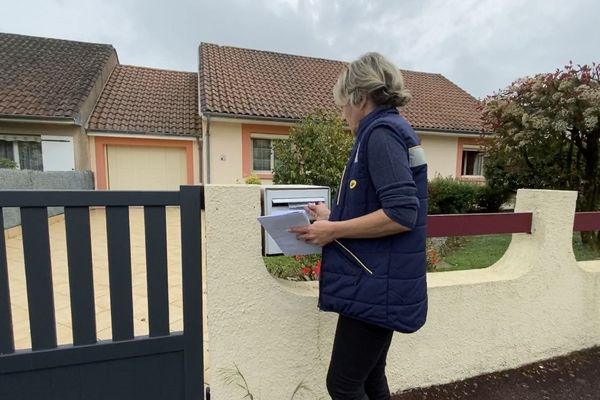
column 149, row 168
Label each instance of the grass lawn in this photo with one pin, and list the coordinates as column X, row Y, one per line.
column 473, row 252
column 464, row 253
column 469, row 252
column 583, row 253
column 281, row 266
column 482, row 251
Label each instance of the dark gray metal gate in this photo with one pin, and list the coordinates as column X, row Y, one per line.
column 163, row 365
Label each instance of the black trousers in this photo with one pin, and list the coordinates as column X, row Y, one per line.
column 357, row 368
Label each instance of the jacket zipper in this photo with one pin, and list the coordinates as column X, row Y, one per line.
column 337, row 203
column 353, row 256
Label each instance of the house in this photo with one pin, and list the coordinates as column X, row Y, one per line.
column 248, row 98
column 48, row 89
column 70, row 105
column 145, row 131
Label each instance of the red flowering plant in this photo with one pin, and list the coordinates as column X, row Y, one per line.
column 310, row 267
column 433, row 256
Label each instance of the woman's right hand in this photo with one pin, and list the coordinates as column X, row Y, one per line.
column 317, row 211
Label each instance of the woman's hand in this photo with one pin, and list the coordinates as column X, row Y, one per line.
column 317, row 211
column 320, row 232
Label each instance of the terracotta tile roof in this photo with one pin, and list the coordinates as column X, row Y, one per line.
column 438, row 103
column 271, row 85
column 148, row 100
column 43, row 77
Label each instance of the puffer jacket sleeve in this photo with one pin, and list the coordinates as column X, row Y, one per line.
column 388, row 163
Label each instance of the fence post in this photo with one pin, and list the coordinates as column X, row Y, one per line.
column 6, row 327
column 191, row 262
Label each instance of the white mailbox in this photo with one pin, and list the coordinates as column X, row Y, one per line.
column 289, row 197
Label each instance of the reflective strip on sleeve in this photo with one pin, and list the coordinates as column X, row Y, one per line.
column 416, row 156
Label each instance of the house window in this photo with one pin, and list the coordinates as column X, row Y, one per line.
column 6, row 150
column 26, row 153
column 263, row 157
column 472, row 163
column 30, row 155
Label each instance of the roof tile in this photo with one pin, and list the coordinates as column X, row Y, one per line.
column 148, row 100
column 246, row 82
column 48, row 77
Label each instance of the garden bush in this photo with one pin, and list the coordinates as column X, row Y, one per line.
column 7, row 164
column 490, row 199
column 252, row 180
column 450, row 196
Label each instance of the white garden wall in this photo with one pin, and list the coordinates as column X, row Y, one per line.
column 537, row 302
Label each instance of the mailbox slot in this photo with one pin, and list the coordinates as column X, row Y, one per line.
column 279, row 198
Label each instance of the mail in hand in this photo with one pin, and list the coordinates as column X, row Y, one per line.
column 277, row 226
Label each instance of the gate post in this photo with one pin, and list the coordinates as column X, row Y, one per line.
column 191, row 262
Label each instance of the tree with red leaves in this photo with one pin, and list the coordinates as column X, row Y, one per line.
column 547, row 135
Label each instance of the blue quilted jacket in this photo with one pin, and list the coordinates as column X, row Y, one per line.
column 381, row 281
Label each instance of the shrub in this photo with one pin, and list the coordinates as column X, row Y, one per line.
column 315, row 152
column 8, row 164
column 449, row 196
column 296, row 268
column 252, row 180
column 433, row 256
column 490, row 199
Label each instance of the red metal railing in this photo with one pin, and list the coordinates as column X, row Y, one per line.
column 478, row 224
column 499, row 223
column 587, row 221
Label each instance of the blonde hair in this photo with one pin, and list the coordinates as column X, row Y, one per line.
column 372, row 75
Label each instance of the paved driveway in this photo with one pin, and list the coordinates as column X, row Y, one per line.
column 60, row 277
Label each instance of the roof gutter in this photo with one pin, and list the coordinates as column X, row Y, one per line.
column 148, row 135
column 451, row 133
column 251, row 117
column 206, row 142
column 292, row 121
column 21, row 119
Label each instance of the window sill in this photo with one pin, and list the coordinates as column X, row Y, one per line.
column 472, row 178
column 263, row 174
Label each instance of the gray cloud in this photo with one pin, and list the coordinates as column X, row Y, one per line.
column 482, row 45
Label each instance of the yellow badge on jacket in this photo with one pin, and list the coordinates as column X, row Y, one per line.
column 353, row 183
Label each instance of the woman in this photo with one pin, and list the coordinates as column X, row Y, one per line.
column 374, row 264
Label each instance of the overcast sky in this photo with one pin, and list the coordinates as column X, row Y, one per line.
column 482, row 45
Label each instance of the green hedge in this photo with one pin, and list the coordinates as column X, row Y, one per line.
column 449, row 196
